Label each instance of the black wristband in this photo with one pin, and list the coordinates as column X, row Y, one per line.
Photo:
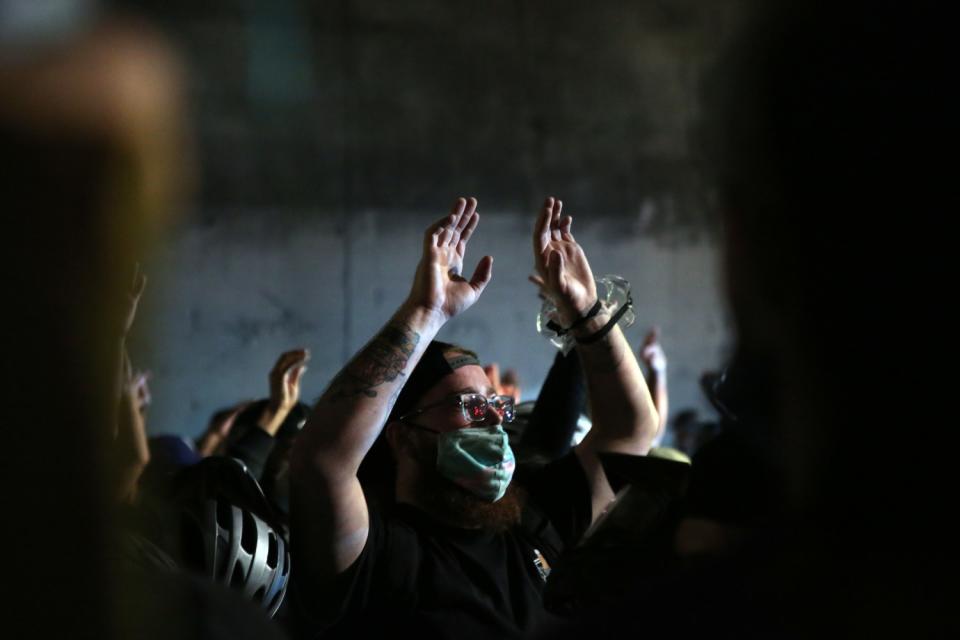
column 594, row 337
column 594, row 310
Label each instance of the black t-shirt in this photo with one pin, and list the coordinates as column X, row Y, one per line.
column 443, row 582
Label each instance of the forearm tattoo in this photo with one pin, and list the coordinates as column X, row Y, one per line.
column 382, row 360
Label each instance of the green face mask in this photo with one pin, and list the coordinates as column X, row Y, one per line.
column 479, row 459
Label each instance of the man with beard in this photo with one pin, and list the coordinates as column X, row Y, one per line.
column 463, row 552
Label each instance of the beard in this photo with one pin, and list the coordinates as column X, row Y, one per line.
column 459, row 507
column 455, row 505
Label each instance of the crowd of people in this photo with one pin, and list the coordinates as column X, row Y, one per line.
column 417, row 494
column 220, row 505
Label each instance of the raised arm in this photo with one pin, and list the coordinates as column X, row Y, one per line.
column 254, row 437
column 130, row 453
column 329, row 512
column 623, row 415
column 284, row 381
column 131, row 450
column 124, row 316
column 655, row 360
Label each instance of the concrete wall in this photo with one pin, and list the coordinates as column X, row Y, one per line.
column 331, row 133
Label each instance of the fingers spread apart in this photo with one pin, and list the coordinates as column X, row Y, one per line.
column 467, row 232
column 466, row 214
column 551, row 227
column 455, row 227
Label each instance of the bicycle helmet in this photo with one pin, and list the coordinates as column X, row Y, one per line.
column 226, row 532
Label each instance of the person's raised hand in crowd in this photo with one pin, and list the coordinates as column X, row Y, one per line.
column 654, row 358
column 221, row 423
column 128, row 311
column 284, row 389
column 131, row 453
column 124, row 314
column 652, row 354
column 141, row 387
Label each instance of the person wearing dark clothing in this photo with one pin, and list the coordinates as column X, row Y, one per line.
column 548, row 434
column 464, row 552
column 257, row 427
column 415, row 572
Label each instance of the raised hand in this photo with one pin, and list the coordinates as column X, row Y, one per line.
column 221, row 424
column 651, row 352
column 141, row 387
column 438, row 285
column 284, row 388
column 131, row 451
column 562, row 271
column 128, row 310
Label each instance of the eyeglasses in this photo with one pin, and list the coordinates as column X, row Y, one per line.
column 474, row 407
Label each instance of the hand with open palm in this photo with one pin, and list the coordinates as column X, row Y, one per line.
column 562, row 271
column 438, row 285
